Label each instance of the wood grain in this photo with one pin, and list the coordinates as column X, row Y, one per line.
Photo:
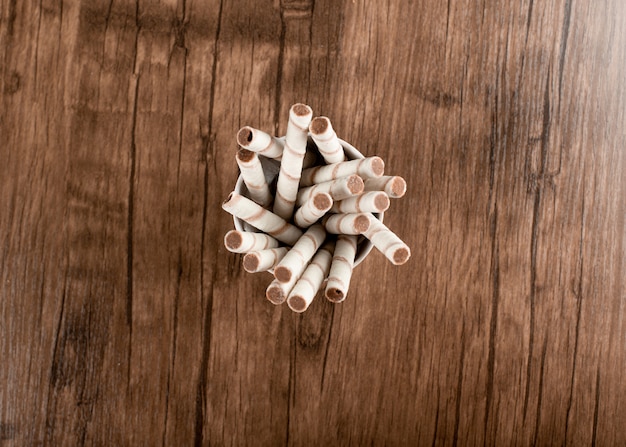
column 123, row 319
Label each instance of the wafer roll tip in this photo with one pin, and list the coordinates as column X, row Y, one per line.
column 401, row 256
column 297, row 303
column 355, row 184
column 319, row 125
column 251, row 262
column 233, row 240
column 244, row 155
column 275, row 294
column 322, row 201
column 282, row 273
column 245, row 135
column 334, row 294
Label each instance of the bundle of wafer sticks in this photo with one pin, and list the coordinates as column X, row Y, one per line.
column 306, row 224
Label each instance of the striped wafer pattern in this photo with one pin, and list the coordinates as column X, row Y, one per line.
column 256, row 140
column 341, row 268
column 366, row 168
column 303, row 292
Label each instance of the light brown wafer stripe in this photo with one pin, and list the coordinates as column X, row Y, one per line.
column 394, row 186
column 368, row 202
column 341, row 268
column 253, row 176
column 339, row 189
column 370, row 167
column 262, row 260
column 387, row 242
column 307, row 286
column 353, row 223
column 260, row 218
column 326, row 140
column 313, row 209
column 300, row 254
column 293, row 157
column 243, row 241
column 256, row 140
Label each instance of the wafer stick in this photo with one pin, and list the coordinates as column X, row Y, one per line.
column 262, row 260
column 352, row 223
column 277, row 291
column 394, row 186
column 253, row 176
column 387, row 242
column 370, row 167
column 339, row 189
column 368, row 202
column 326, row 140
column 313, row 209
column 311, row 280
column 293, row 156
column 341, row 268
column 296, row 259
column 244, row 241
column 256, row 140
column 257, row 216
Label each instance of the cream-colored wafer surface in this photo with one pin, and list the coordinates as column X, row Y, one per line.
column 256, row 140
column 352, row 223
column 341, row 268
column 243, row 241
column 387, row 242
column 260, row 218
column 313, row 209
column 339, row 189
column 293, row 156
column 309, row 284
column 263, row 260
column 393, row 185
column 367, row 202
column 253, row 176
column 300, row 254
column 325, row 138
column 370, row 167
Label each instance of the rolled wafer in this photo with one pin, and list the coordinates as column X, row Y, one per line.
column 353, row 223
column 341, row 268
column 368, row 202
column 300, row 254
column 293, row 156
column 394, row 186
column 253, row 176
column 257, row 216
column 277, row 291
column 387, row 242
column 311, row 280
column 256, row 140
column 244, row 241
column 370, row 167
column 313, row 209
column 262, row 260
column 339, row 189
column 326, row 140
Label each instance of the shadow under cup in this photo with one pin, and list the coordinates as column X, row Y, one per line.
column 272, row 167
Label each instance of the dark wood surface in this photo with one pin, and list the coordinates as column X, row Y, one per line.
column 123, row 319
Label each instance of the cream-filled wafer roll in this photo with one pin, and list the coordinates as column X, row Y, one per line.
column 326, row 140
column 341, row 268
column 352, row 223
column 313, row 209
column 311, row 280
column 277, row 291
column 368, row 202
column 291, row 163
column 300, row 254
column 243, row 241
column 256, row 140
column 339, row 189
column 387, row 242
column 370, row 167
column 394, row 186
column 253, row 176
column 262, row 260
column 257, row 216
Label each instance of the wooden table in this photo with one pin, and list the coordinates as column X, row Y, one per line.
column 123, row 319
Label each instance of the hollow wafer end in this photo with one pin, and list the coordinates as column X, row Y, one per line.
column 244, row 136
column 244, row 155
column 334, row 294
